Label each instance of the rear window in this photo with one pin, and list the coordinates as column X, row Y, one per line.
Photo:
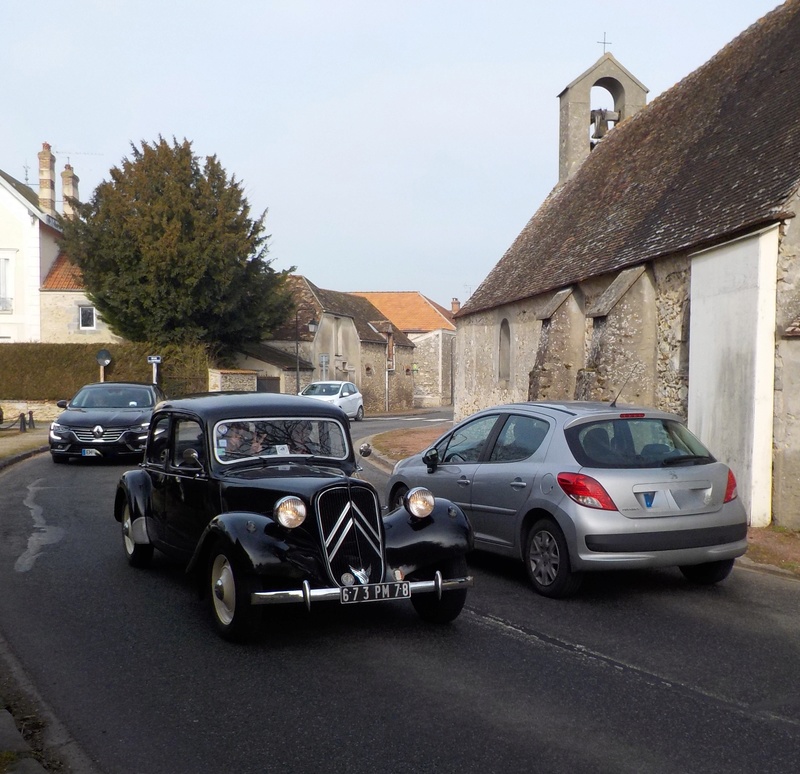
column 635, row 443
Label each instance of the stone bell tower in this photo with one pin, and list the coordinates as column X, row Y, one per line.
column 581, row 128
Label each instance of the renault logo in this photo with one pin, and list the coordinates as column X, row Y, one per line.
column 98, row 431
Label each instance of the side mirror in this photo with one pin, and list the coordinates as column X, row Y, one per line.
column 431, row 459
column 365, row 450
column 61, row 404
column 192, row 459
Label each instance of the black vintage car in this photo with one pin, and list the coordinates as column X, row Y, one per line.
column 104, row 420
column 257, row 495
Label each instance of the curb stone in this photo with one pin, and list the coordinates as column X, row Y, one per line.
column 11, row 741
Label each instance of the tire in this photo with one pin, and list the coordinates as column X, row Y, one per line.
column 235, row 618
column 397, row 496
column 708, row 573
column 360, row 414
column 139, row 554
column 547, row 561
column 58, row 459
column 441, row 611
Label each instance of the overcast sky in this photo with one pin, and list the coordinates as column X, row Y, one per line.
column 397, row 144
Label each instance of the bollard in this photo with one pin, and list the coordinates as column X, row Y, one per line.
column 22, row 427
column 31, row 423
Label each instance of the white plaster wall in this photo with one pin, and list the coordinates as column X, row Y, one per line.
column 19, row 231
column 731, row 361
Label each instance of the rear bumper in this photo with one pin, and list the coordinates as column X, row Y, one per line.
column 308, row 595
column 674, row 540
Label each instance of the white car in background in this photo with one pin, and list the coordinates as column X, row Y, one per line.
column 345, row 395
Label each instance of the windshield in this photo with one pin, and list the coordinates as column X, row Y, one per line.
column 113, row 396
column 321, row 389
column 237, row 439
column 639, row 442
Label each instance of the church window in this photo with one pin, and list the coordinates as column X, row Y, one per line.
column 504, row 361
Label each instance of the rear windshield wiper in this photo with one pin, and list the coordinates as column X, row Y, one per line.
column 686, row 459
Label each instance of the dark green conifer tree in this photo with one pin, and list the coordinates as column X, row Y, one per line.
column 170, row 254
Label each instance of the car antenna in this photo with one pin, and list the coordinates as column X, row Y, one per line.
column 627, row 379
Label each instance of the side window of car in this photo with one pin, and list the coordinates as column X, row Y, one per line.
column 520, row 437
column 188, row 435
column 158, row 441
column 468, row 441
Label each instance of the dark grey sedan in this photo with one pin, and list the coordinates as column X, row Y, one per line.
column 107, row 419
column 571, row 487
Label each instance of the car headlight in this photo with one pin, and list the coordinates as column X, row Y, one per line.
column 419, row 502
column 290, row 511
column 57, row 430
column 143, row 428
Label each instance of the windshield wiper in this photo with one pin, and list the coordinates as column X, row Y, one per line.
column 690, row 459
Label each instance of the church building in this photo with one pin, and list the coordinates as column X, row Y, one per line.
column 663, row 268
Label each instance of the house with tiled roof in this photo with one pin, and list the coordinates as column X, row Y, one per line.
column 41, row 292
column 334, row 335
column 664, row 267
column 432, row 330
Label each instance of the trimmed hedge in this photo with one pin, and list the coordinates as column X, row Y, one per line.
column 50, row 372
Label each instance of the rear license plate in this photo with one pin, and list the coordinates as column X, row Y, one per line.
column 374, row 592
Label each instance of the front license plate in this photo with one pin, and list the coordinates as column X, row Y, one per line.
column 374, row 592
column 90, row 453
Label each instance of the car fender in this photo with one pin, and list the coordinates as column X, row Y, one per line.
column 260, row 542
column 413, row 544
column 135, row 489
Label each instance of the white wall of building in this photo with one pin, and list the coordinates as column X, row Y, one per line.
column 731, row 361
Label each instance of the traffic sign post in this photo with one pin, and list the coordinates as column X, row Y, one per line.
column 154, row 360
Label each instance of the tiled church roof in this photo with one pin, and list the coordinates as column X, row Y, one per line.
column 715, row 156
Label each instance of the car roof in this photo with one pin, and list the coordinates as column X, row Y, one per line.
column 570, row 409
column 215, row 406
column 119, row 384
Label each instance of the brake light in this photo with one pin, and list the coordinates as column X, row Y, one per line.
column 631, row 416
column 730, row 490
column 585, row 490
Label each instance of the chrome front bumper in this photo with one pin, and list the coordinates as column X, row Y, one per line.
column 308, row 595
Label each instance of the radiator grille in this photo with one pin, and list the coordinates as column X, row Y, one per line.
column 350, row 525
column 110, row 434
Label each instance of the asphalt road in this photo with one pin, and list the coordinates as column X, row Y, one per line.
column 642, row 672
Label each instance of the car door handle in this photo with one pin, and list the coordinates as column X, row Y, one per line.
column 463, row 481
column 518, row 484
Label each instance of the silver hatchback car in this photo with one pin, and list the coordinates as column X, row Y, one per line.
column 570, row 487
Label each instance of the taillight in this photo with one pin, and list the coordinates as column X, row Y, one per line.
column 730, row 490
column 585, row 490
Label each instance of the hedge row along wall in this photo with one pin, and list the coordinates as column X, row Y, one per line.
column 50, row 372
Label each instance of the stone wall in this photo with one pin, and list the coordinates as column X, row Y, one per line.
column 60, row 313
column 432, row 368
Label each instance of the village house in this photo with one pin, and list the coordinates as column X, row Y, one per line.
column 431, row 329
column 336, row 336
column 663, row 267
column 41, row 293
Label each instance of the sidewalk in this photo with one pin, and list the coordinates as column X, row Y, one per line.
column 16, row 755
column 15, row 445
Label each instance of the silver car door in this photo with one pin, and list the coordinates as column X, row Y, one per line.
column 459, row 457
column 502, row 485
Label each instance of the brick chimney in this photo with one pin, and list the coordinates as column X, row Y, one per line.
column 455, row 305
column 47, row 180
column 69, row 189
